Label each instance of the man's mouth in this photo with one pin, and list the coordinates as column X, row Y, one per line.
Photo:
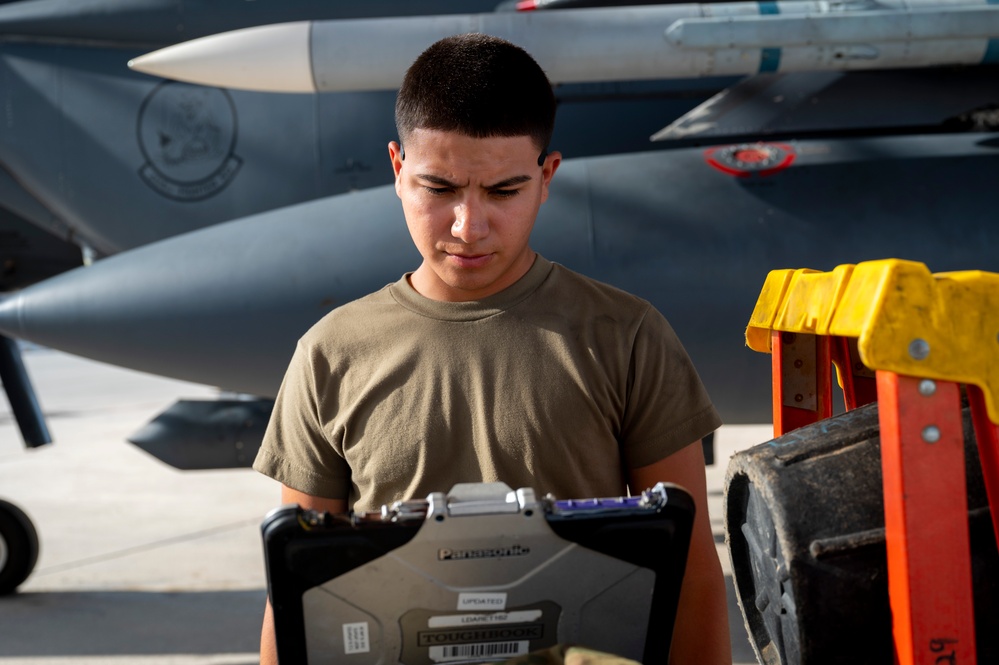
column 468, row 260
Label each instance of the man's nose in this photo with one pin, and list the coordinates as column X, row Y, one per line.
column 470, row 223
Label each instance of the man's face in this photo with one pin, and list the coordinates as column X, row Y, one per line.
column 470, row 205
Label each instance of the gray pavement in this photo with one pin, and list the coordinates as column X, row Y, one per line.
column 141, row 563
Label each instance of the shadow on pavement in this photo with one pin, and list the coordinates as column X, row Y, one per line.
column 108, row 623
column 118, row 623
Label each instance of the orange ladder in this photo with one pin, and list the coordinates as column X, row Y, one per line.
column 910, row 340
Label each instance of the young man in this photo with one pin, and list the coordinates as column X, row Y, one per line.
column 489, row 362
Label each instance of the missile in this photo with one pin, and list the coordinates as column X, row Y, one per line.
column 694, row 231
column 597, row 44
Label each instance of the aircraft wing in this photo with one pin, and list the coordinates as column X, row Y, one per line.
column 808, row 104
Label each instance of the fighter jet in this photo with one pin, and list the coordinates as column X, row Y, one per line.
column 709, row 172
column 779, row 168
column 96, row 159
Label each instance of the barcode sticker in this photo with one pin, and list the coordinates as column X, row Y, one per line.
column 451, row 652
column 355, row 638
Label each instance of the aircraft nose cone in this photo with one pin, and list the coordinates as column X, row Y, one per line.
column 9, row 320
column 222, row 306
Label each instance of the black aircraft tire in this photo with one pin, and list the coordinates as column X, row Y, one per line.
column 18, row 547
column 804, row 520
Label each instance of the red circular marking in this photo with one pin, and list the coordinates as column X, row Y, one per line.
column 743, row 160
column 751, row 155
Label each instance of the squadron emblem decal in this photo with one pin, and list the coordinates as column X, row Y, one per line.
column 747, row 159
column 187, row 135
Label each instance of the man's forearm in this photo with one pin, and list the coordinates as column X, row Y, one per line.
column 701, row 633
column 268, row 646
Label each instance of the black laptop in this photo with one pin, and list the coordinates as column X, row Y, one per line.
column 481, row 574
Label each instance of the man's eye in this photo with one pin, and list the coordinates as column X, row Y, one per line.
column 505, row 193
column 438, row 191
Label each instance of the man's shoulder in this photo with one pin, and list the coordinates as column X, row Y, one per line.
column 572, row 287
column 353, row 317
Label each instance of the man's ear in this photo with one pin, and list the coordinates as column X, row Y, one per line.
column 396, row 155
column 548, row 169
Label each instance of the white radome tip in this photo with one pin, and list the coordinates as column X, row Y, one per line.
column 270, row 58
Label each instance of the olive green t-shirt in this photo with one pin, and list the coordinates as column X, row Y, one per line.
column 559, row 383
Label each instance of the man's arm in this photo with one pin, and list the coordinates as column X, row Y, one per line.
column 701, row 632
column 268, row 645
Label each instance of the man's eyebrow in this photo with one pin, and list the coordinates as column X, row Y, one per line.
column 509, row 182
column 502, row 184
column 437, row 180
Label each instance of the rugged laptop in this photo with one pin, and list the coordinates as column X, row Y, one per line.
column 481, row 574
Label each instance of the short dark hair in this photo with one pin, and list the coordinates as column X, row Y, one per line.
column 477, row 85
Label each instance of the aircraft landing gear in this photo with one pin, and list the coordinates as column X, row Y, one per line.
column 18, row 547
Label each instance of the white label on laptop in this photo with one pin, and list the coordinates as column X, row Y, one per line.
column 355, row 638
column 481, row 601
column 489, row 650
column 479, row 619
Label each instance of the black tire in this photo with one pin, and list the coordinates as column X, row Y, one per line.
column 18, row 547
column 804, row 516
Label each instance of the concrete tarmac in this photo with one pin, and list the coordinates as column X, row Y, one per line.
column 142, row 563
